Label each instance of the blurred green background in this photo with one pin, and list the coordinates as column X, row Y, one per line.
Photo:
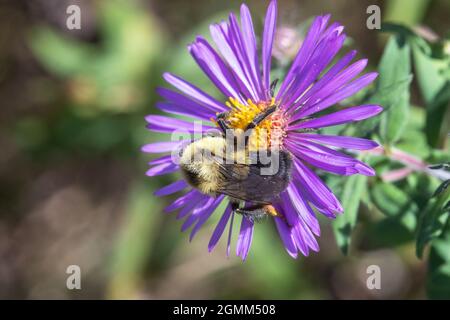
column 73, row 188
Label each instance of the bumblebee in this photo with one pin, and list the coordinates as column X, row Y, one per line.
column 209, row 166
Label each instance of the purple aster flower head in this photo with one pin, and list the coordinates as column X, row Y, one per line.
column 240, row 69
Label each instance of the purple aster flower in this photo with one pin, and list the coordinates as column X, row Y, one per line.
column 242, row 75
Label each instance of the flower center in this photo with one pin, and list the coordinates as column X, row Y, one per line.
column 269, row 133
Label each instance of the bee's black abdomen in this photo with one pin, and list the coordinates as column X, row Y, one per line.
column 272, row 185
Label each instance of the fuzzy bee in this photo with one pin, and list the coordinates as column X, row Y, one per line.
column 215, row 166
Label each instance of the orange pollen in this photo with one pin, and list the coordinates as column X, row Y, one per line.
column 269, row 133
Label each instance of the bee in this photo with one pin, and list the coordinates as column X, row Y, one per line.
column 209, row 166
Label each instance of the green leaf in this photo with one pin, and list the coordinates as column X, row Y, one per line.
column 432, row 221
column 430, row 67
column 395, row 66
column 111, row 75
column 409, row 12
column 391, row 200
column 398, row 28
column 438, row 286
column 444, row 185
column 437, row 124
column 393, row 122
column 388, row 232
column 414, row 140
column 59, row 54
column 432, row 71
column 344, row 224
column 396, row 203
column 391, row 92
column 438, row 277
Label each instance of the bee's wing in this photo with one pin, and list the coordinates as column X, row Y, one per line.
column 245, row 182
column 232, row 176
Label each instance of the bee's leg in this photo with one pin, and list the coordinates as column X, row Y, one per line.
column 254, row 215
column 213, row 134
column 307, row 130
column 257, row 120
column 223, row 125
column 235, row 206
column 272, row 87
column 261, row 117
column 221, row 122
column 248, row 213
column 257, row 213
column 303, row 120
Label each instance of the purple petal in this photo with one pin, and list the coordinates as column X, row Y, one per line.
column 161, row 147
column 171, row 188
column 180, row 104
column 327, row 85
column 339, row 94
column 245, row 238
column 190, row 196
column 329, row 75
column 329, row 159
column 204, row 216
column 195, row 93
column 291, row 216
column 335, row 27
column 195, row 206
column 162, row 169
column 200, row 207
column 249, row 48
column 230, row 57
column 320, row 58
column 169, row 125
column 308, row 237
column 184, row 110
column 163, row 163
column 303, row 209
column 218, row 231
column 308, row 45
column 270, row 24
column 338, row 141
column 351, row 114
column 244, row 46
column 312, row 158
column 322, row 206
column 285, row 234
column 161, row 160
column 320, row 194
column 300, row 243
column 213, row 66
column 303, row 239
